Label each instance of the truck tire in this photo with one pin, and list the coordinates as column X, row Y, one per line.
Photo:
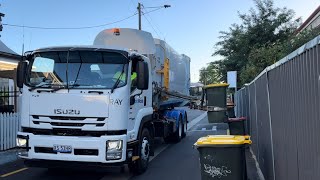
column 185, row 126
column 140, row 166
column 177, row 136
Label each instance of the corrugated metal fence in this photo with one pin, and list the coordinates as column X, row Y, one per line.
column 9, row 126
column 283, row 109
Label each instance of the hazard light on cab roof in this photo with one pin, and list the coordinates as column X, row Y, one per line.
column 126, row 38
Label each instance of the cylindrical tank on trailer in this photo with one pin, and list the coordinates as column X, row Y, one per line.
column 156, row 50
column 179, row 67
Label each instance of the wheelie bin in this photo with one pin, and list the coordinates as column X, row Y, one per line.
column 237, row 126
column 216, row 96
column 223, row 157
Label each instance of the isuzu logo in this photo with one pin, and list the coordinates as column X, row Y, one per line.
column 67, row 111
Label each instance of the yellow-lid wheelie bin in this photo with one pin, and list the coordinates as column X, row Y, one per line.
column 216, row 96
column 223, row 157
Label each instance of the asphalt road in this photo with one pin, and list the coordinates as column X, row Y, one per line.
column 171, row 161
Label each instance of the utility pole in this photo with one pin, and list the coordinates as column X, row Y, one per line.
column 1, row 16
column 139, row 11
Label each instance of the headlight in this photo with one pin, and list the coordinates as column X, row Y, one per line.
column 114, row 145
column 22, row 141
column 114, row 150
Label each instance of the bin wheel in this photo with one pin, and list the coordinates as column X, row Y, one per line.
column 140, row 166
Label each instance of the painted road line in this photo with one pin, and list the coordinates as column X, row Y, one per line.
column 196, row 120
column 158, row 151
column 13, row 172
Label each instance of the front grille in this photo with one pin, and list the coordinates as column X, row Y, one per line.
column 72, row 132
column 68, row 121
column 84, row 152
column 67, row 118
column 67, row 124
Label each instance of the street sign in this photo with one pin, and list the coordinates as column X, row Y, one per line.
column 232, row 79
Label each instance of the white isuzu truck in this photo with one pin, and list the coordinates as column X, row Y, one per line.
column 101, row 105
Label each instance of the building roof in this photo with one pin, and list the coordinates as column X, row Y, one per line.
column 308, row 21
column 197, row 84
column 4, row 50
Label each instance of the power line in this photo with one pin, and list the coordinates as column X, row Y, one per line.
column 156, row 26
column 151, row 25
column 66, row 28
column 153, row 10
column 164, row 6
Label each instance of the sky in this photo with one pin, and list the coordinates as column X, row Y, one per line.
column 191, row 27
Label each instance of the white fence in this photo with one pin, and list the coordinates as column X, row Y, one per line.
column 9, row 126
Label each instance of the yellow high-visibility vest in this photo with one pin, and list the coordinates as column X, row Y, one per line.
column 118, row 74
column 133, row 76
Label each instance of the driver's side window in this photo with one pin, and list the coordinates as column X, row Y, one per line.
column 133, row 76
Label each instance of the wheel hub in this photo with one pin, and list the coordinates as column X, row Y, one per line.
column 145, row 149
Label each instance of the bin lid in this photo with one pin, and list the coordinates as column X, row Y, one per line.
column 216, row 85
column 223, row 140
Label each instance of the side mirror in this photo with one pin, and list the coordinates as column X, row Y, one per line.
column 21, row 71
column 142, row 75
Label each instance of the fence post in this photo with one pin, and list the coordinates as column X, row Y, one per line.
column 270, row 126
column 5, row 130
column 1, row 132
column 257, row 126
column 249, row 111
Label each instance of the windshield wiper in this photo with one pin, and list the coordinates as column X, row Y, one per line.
column 118, row 80
column 57, row 88
column 41, row 85
column 75, row 81
column 52, row 87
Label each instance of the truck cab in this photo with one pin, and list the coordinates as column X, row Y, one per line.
column 80, row 104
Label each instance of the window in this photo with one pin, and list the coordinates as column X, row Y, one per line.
column 82, row 69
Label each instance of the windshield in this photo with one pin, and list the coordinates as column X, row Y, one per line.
column 78, row 69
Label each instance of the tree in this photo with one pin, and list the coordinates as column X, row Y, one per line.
column 211, row 74
column 262, row 27
column 260, row 58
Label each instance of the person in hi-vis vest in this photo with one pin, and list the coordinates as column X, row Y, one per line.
column 123, row 78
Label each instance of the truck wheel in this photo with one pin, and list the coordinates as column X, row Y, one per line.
column 185, row 126
column 177, row 136
column 140, row 166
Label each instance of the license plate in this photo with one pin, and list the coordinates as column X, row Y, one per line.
column 62, row 148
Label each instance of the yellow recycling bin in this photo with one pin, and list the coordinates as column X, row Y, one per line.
column 223, row 157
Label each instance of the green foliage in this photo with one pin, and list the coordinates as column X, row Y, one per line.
column 260, row 58
column 258, row 41
column 211, row 74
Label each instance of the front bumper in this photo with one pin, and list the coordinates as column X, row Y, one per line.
column 93, row 149
column 69, row 164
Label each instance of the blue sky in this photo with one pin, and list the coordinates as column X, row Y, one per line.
column 190, row 27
